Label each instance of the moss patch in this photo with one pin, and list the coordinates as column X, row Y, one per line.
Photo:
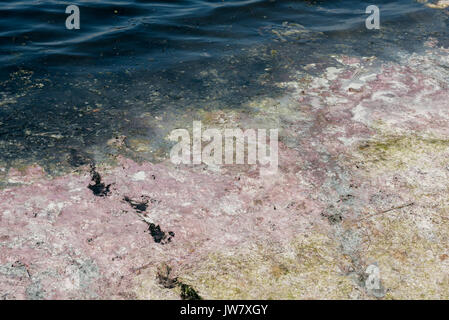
column 305, row 269
column 400, row 152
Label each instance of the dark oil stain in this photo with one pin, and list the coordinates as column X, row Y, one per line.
column 99, row 189
column 158, row 235
column 136, row 205
column 188, row 293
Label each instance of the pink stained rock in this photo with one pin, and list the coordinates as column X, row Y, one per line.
column 362, row 181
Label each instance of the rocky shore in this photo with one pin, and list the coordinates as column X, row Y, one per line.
column 362, row 181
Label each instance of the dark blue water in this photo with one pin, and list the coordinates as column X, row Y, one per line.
column 153, row 34
column 64, row 90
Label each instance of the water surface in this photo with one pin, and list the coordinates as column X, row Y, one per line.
column 69, row 91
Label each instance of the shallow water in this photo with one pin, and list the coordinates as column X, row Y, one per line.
column 66, row 92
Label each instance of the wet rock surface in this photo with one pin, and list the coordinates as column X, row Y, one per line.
column 357, row 210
